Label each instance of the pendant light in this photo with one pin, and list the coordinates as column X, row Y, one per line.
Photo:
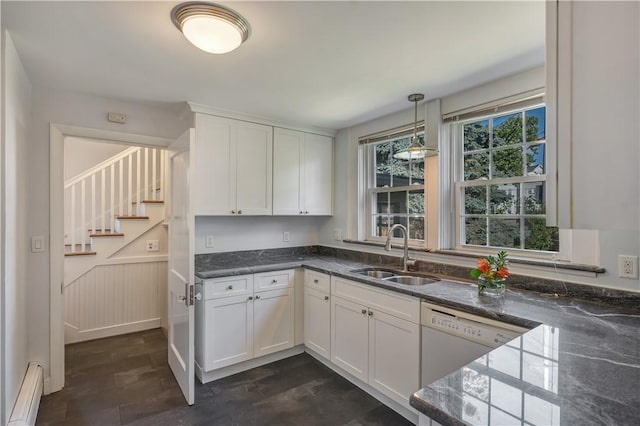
column 211, row 27
column 416, row 149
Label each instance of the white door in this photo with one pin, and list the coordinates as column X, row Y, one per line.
column 180, row 304
column 317, row 322
column 394, row 356
column 229, row 331
column 350, row 337
column 318, row 175
column 272, row 321
column 287, row 171
column 254, row 163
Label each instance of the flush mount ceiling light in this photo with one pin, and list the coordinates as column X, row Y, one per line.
column 211, row 27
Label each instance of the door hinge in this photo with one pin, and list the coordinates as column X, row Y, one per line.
column 192, row 295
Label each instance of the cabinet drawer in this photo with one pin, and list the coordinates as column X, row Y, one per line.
column 317, row 280
column 273, row 280
column 397, row 304
column 228, row 286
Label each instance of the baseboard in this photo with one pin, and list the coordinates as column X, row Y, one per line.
column 73, row 335
column 407, row 411
column 209, row 376
column 26, row 407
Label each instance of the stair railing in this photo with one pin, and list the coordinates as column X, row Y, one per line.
column 134, row 174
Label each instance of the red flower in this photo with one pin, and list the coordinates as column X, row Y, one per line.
column 503, row 272
column 483, row 266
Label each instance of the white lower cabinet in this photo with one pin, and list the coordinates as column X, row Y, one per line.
column 372, row 345
column 236, row 322
column 272, row 321
column 317, row 320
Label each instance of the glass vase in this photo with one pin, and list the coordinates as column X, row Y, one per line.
column 491, row 287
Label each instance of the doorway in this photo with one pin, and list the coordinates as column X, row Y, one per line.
column 60, row 273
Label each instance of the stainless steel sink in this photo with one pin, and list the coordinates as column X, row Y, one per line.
column 406, row 278
column 412, row 280
column 375, row 273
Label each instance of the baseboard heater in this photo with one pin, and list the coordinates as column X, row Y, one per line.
column 26, row 408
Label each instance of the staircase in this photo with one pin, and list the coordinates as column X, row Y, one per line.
column 110, row 206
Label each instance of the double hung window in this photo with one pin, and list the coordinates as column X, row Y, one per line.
column 501, row 181
column 394, row 188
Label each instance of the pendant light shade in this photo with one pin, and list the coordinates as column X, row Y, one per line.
column 416, row 149
column 211, row 27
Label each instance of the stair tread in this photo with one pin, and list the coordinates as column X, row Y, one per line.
column 82, row 253
column 149, row 202
column 132, row 217
column 107, row 234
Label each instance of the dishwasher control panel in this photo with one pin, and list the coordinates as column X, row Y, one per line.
column 468, row 326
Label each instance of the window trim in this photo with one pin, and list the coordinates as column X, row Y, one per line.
column 368, row 176
column 452, row 194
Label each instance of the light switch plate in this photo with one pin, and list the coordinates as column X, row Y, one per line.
column 337, row 234
column 285, row 237
column 208, row 241
column 37, row 244
column 153, row 245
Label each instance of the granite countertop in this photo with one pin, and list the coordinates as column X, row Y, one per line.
column 578, row 365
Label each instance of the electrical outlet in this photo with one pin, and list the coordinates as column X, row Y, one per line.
column 208, row 241
column 153, row 245
column 337, row 234
column 628, row 266
column 285, row 237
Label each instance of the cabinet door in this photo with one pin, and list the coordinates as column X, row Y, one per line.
column 350, row 337
column 287, row 173
column 253, row 178
column 318, row 175
column 394, row 356
column 229, row 331
column 214, row 165
column 273, row 321
column 317, row 322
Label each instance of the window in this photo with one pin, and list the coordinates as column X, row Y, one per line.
column 501, row 180
column 395, row 189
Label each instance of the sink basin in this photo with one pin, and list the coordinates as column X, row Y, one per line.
column 411, row 280
column 375, row 273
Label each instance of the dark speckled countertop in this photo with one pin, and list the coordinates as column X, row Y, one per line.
column 578, row 365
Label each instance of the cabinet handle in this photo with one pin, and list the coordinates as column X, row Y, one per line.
column 239, row 211
column 257, row 297
column 326, row 298
column 250, row 298
column 274, row 281
column 230, row 287
column 370, row 313
column 315, row 281
column 233, row 212
column 306, row 212
column 301, row 212
column 364, row 312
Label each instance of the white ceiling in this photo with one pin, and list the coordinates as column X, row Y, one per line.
column 327, row 64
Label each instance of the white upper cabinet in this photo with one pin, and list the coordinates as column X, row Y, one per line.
column 302, row 173
column 232, row 167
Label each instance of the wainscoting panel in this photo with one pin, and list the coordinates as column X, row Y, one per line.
column 115, row 299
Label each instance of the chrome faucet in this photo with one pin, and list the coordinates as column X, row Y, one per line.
column 405, row 260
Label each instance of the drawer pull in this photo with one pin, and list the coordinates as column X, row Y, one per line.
column 230, row 287
column 250, row 298
column 326, row 298
column 257, row 297
column 364, row 312
column 274, row 281
column 316, row 281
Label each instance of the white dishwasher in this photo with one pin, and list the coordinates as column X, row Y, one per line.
column 452, row 339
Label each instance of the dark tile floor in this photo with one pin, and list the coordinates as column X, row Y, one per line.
column 125, row 380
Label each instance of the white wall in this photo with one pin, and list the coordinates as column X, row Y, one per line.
column 81, row 154
column 17, row 180
column 255, row 233
column 63, row 107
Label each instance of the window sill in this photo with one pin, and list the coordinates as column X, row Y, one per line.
column 517, row 261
